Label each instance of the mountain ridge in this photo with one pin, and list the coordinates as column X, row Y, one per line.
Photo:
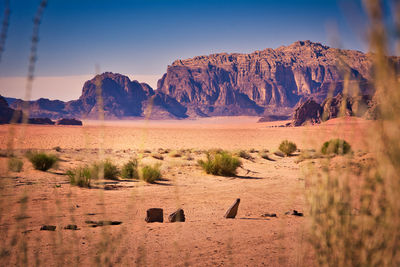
column 263, row 82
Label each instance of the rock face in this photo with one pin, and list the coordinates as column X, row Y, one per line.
column 333, row 107
column 68, row 122
column 42, row 108
column 245, row 84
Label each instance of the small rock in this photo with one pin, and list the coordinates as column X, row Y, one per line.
column 232, row 211
column 71, row 227
column 155, row 215
column 296, row 213
column 269, row 215
column 287, row 213
column 48, row 228
column 177, row 216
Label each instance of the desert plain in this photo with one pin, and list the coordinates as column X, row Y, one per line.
column 32, row 198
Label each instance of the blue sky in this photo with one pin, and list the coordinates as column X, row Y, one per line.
column 141, row 37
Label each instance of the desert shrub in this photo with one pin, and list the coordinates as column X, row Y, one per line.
column 222, row 163
column 150, row 174
column 336, row 146
column 130, row 169
column 157, row 156
column 111, row 170
column 80, row 176
column 15, row 164
column 287, row 147
column 41, row 161
column 57, row 148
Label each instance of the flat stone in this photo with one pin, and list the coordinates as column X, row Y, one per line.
column 269, row 215
column 232, row 211
column 296, row 213
column 155, row 215
column 177, row 216
column 48, row 228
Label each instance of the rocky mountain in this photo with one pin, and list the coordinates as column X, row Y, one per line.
column 7, row 113
column 246, row 84
column 269, row 82
column 121, row 98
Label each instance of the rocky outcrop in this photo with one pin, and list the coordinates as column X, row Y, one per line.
column 7, row 113
column 69, row 122
column 333, row 107
column 45, row 121
column 231, row 84
column 42, row 108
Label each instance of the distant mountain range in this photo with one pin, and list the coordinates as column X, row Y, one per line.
column 268, row 82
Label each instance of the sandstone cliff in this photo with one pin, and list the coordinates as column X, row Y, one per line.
column 231, row 84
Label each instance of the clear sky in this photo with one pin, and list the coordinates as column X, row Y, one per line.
column 140, row 38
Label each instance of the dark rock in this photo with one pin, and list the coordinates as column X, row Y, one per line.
column 45, row 121
column 102, row 223
column 296, row 213
column 155, row 215
column 71, row 227
column 310, row 111
column 177, row 216
column 8, row 114
column 269, row 215
column 48, row 228
column 232, row 211
column 69, row 122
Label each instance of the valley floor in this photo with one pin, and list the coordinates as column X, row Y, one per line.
column 32, row 198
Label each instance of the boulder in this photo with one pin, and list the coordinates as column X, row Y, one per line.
column 232, row 211
column 155, row 215
column 177, row 216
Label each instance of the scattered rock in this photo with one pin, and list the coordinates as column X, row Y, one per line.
column 155, row 215
column 287, row 213
column 69, row 122
column 102, row 223
column 177, row 216
column 71, row 227
column 48, row 228
column 269, row 215
column 279, row 154
column 232, row 211
column 296, row 213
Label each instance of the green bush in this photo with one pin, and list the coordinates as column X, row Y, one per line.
column 42, row 161
column 336, row 146
column 111, row 171
column 287, row 147
column 150, row 173
column 220, row 163
column 130, row 169
column 80, row 176
column 15, row 164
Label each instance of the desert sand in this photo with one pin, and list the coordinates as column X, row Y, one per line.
column 32, row 198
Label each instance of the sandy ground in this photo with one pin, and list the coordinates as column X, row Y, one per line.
column 32, row 198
